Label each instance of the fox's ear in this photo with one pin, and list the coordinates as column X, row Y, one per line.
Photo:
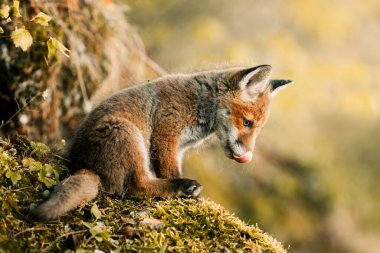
column 255, row 80
column 277, row 85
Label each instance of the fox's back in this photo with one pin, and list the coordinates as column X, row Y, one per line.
column 165, row 105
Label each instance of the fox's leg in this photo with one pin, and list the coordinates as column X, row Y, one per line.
column 165, row 157
column 139, row 180
column 178, row 187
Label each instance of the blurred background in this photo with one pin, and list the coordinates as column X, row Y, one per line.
column 313, row 183
column 314, row 180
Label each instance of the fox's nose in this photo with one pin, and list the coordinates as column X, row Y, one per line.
column 247, row 144
column 243, row 146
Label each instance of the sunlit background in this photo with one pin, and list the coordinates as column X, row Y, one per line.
column 314, row 180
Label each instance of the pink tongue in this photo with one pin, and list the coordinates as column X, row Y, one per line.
column 245, row 158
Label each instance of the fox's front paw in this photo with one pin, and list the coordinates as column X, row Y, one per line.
column 188, row 188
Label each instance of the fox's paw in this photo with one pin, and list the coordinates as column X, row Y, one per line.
column 188, row 188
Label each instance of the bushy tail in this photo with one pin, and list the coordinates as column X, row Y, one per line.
column 81, row 187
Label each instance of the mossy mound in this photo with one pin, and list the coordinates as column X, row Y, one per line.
column 28, row 170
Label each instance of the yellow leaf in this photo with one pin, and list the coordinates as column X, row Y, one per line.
column 42, row 19
column 22, row 38
column 14, row 176
column 95, row 211
column 1, row 30
column 4, row 11
column 54, row 45
column 32, row 164
column 52, row 50
column 16, row 9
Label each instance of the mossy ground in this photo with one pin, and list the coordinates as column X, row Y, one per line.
column 28, row 170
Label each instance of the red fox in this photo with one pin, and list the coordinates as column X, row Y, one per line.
column 133, row 142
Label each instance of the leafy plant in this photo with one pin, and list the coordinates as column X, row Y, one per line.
column 21, row 35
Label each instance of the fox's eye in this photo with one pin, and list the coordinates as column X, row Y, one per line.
column 247, row 123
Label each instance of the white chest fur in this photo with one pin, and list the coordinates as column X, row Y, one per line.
column 191, row 137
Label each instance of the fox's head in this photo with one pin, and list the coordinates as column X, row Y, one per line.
column 244, row 110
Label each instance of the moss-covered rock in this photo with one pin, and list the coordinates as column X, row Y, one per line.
column 28, row 171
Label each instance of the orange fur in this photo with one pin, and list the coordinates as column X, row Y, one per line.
column 256, row 111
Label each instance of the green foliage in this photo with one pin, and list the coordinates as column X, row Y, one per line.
column 22, row 37
column 42, row 19
column 111, row 225
column 4, row 11
column 39, row 149
column 14, row 176
column 54, row 46
column 99, row 231
column 32, row 164
column 15, row 170
column 15, row 9
column 95, row 211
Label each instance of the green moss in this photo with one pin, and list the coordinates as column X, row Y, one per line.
column 111, row 224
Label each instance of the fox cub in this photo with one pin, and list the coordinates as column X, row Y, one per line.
column 133, row 142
